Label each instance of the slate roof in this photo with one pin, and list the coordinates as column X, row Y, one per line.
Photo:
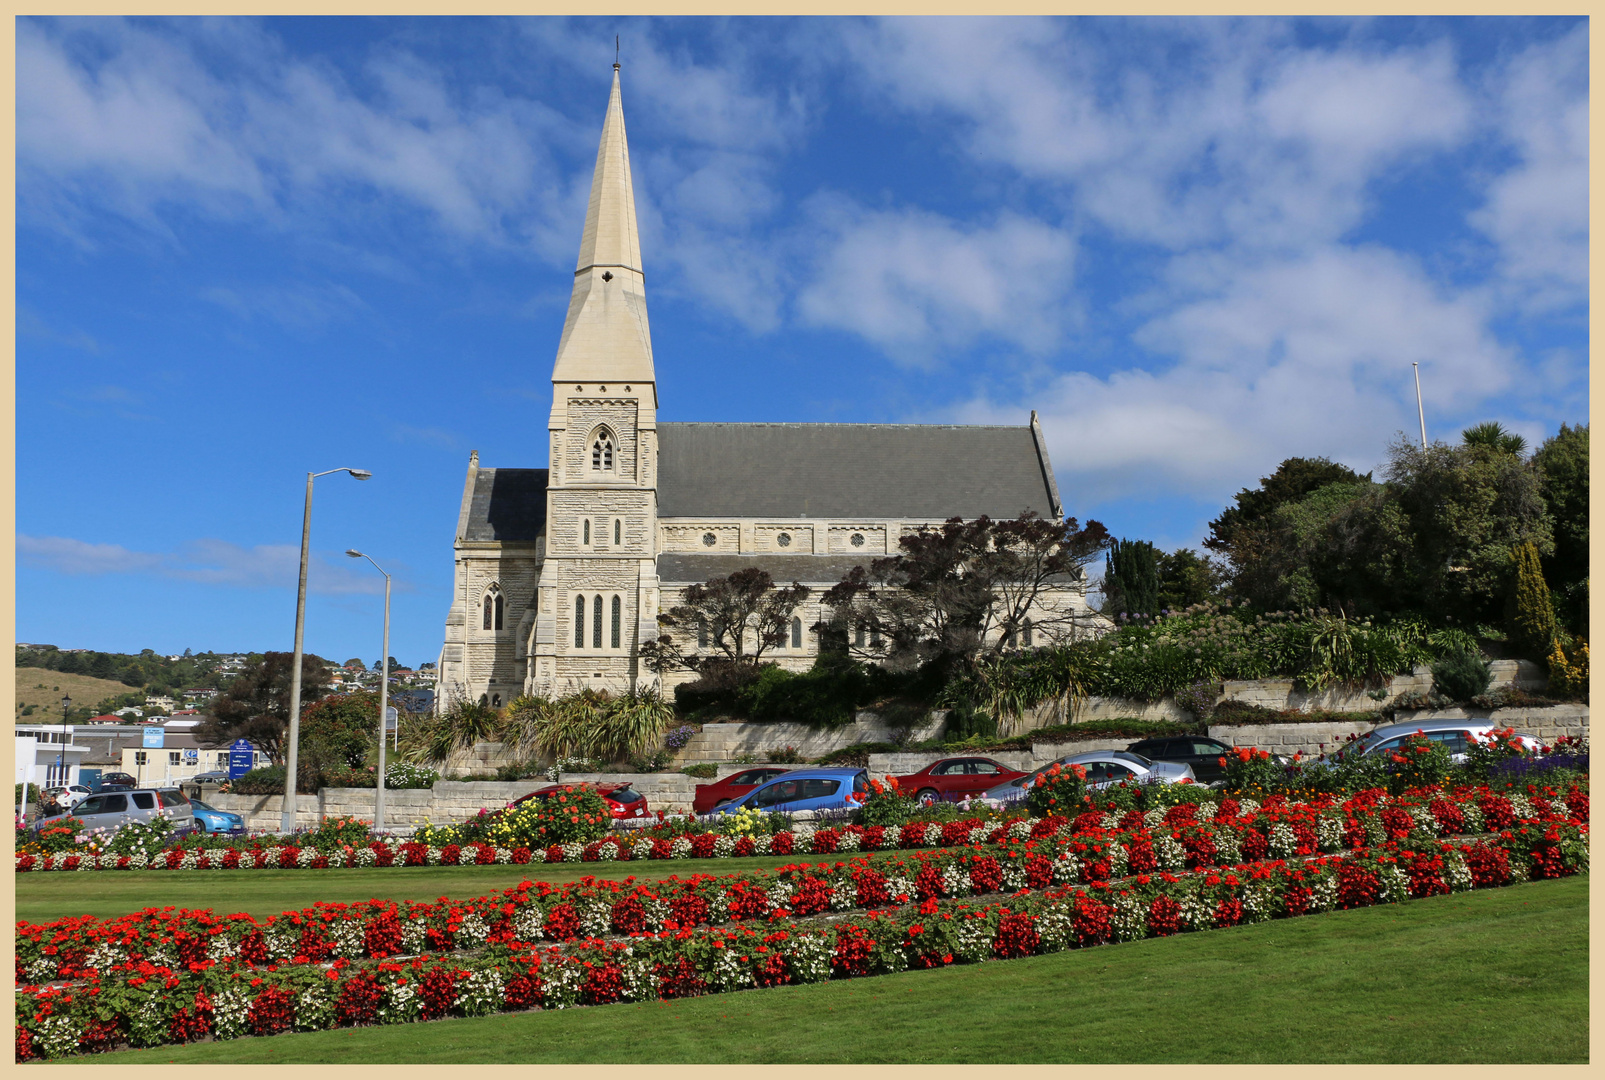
column 875, row 471
column 508, row 505
column 684, row 569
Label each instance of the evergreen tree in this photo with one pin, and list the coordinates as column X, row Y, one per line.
column 1532, row 615
column 1131, row 577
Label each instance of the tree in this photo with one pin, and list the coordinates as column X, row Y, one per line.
column 968, row 588
column 1563, row 461
column 1492, row 435
column 1293, row 479
column 740, row 616
column 355, row 662
column 1131, row 578
column 336, row 731
column 256, row 705
column 1531, row 614
column 1187, row 578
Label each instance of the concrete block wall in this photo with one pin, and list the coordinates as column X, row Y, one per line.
column 1290, row 739
column 726, row 742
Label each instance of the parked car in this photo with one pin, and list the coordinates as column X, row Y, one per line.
column 1199, row 752
column 112, row 809
column 116, row 781
column 215, row 776
column 1455, row 735
column 805, row 789
column 954, row 778
column 1105, row 768
column 211, row 820
column 623, row 800
column 67, row 797
column 707, row 796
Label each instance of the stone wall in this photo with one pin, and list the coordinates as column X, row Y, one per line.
column 726, row 742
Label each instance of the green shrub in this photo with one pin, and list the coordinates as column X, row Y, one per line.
column 1461, row 676
column 968, row 722
column 858, row 754
column 1060, row 791
column 334, row 833
column 1252, row 772
column 827, row 695
column 264, row 781
column 885, row 804
column 574, row 814
column 1418, row 762
column 705, row 770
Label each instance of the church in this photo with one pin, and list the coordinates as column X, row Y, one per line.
column 561, row 572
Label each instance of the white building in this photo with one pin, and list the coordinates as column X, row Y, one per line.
column 47, row 756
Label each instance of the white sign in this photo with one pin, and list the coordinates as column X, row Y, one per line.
column 392, row 717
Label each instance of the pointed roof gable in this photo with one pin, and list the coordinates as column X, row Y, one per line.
column 606, row 337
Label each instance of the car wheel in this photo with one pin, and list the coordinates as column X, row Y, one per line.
column 927, row 797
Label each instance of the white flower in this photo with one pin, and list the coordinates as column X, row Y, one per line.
column 680, row 848
column 59, row 1035
column 467, row 855
column 641, row 850
column 480, row 993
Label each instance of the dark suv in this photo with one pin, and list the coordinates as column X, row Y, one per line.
column 1199, row 751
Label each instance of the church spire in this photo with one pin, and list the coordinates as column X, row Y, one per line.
column 606, row 338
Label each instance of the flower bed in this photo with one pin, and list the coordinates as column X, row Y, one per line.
column 189, row 993
column 1351, row 817
column 1094, row 847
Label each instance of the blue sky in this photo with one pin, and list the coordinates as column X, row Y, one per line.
column 247, row 249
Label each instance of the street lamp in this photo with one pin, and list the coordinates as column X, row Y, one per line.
column 384, row 700
column 287, row 821
column 61, row 754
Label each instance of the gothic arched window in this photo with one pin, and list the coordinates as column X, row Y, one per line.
column 618, row 530
column 1026, row 633
column 579, row 622
column 492, row 609
column 702, row 633
column 602, row 451
column 858, row 635
column 618, row 618
column 596, row 623
column 585, row 532
column 796, row 633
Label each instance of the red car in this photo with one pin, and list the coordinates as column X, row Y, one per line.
column 732, row 787
column 951, row 779
column 621, row 799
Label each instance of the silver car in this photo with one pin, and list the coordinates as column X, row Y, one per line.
column 1105, row 768
column 1455, row 735
column 111, row 809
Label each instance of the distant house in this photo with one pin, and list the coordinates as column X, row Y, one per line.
column 105, row 718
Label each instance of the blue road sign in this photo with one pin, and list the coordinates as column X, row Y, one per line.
column 240, row 758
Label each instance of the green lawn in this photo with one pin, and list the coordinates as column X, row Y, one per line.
column 57, row 894
column 1492, row 976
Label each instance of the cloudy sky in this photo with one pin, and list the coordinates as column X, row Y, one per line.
column 249, row 249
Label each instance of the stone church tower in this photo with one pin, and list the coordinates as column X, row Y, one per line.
column 598, row 588
column 552, row 600
column 561, row 572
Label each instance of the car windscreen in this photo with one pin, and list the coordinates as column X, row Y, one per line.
column 1138, row 759
column 625, row 795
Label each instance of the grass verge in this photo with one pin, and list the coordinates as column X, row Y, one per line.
column 42, row 897
column 1488, row 976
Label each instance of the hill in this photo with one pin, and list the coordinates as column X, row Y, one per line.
column 42, row 688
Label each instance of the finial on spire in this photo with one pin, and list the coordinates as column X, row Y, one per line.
column 615, row 52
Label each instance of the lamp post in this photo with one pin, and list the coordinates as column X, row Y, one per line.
column 384, row 700
column 61, row 754
column 287, row 821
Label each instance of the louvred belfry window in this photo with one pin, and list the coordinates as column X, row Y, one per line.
column 579, row 622
column 618, row 613
column 596, row 624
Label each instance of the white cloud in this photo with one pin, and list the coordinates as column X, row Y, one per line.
column 917, row 283
column 206, row 561
column 1537, row 212
column 1309, row 357
column 1201, row 132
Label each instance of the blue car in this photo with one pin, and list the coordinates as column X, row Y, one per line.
column 209, row 820
column 805, row 789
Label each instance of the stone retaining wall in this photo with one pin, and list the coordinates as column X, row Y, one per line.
column 453, row 801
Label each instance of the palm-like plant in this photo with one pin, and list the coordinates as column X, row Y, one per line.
column 1494, row 436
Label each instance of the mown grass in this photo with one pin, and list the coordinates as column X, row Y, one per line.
column 1490, row 976
column 42, row 897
